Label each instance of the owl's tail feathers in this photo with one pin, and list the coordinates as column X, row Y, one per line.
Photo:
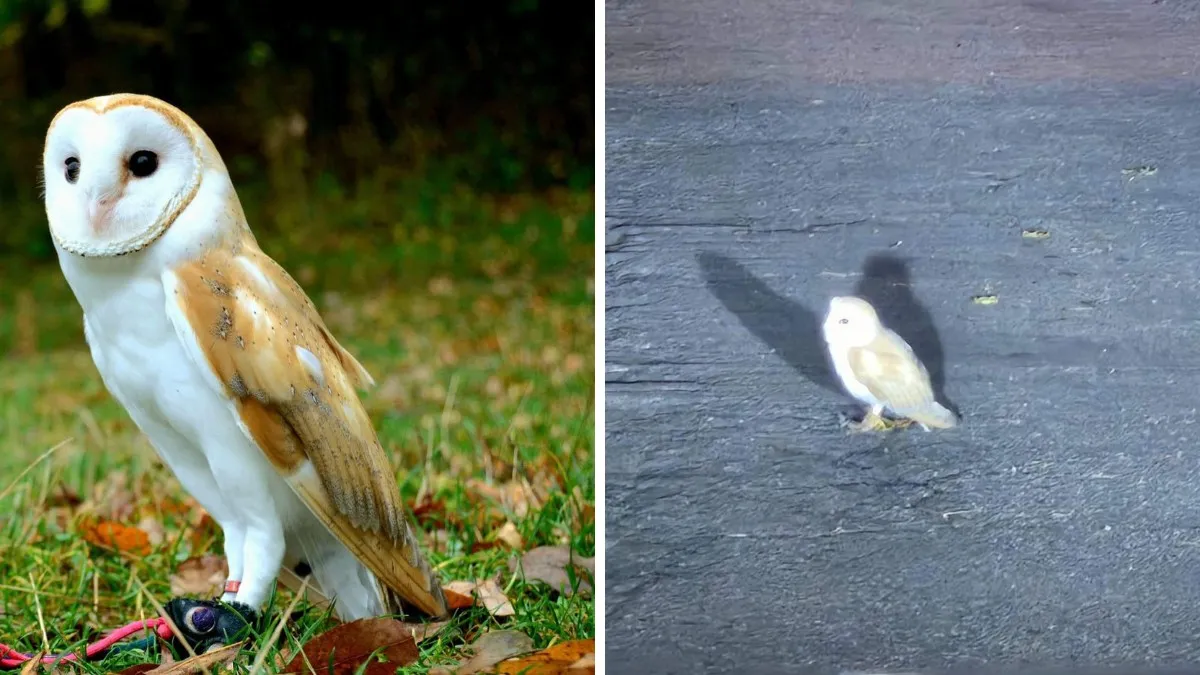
column 935, row 415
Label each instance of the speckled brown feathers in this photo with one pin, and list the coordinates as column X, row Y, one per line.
column 295, row 390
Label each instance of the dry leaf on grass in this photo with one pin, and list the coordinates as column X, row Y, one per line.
column 31, row 666
column 455, row 600
column 510, row 536
column 418, row 631
column 488, row 650
column 514, row 496
column 111, row 498
column 154, row 529
column 585, row 664
column 383, row 644
column 433, row 514
column 203, row 576
column 199, row 662
column 548, row 564
column 117, row 537
column 563, row 658
column 487, row 592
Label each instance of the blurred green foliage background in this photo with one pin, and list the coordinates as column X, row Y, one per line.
column 400, row 107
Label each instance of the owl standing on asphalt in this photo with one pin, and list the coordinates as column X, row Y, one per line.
column 224, row 363
column 877, row 367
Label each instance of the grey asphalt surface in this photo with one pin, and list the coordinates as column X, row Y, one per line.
column 764, row 156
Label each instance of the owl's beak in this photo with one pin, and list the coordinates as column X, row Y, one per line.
column 99, row 213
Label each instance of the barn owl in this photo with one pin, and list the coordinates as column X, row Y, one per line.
column 224, row 363
column 877, row 367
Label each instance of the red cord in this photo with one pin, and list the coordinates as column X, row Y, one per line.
column 11, row 658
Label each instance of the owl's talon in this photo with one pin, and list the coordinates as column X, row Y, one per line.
column 872, row 421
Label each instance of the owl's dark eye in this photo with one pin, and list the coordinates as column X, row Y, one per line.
column 844, row 321
column 72, row 165
column 201, row 619
column 143, row 163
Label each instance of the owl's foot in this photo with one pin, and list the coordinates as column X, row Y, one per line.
column 210, row 624
column 872, row 421
column 875, row 421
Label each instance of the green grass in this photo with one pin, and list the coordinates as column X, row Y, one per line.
column 476, row 317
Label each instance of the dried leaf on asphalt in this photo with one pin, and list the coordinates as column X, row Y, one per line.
column 563, row 658
column 487, row 592
column 383, row 644
column 488, row 650
column 203, row 576
column 549, row 564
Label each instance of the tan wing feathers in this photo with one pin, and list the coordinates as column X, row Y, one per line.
column 294, row 387
column 379, row 553
column 300, row 300
column 892, row 373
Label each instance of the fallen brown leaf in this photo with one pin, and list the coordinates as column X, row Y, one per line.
column 111, row 499
column 115, row 536
column 383, row 644
column 548, row 564
column 455, row 600
column 199, row 662
column 203, row 576
column 557, row 660
column 478, row 546
column 31, row 666
column 488, row 594
column 510, row 536
column 497, row 604
column 431, row 512
column 585, row 664
column 154, row 529
column 492, row 648
column 514, row 496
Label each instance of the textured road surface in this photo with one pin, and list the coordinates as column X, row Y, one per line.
column 765, row 155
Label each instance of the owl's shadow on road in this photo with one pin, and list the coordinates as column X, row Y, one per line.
column 794, row 331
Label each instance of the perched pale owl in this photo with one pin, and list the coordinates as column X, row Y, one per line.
column 877, row 367
column 224, row 363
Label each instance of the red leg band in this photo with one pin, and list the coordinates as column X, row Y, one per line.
column 232, row 586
